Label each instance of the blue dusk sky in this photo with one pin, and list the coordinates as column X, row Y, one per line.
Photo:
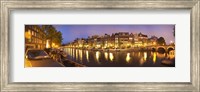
column 71, row 32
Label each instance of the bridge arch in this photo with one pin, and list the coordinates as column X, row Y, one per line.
column 161, row 49
column 170, row 48
column 153, row 49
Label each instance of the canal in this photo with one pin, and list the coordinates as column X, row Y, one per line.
column 91, row 58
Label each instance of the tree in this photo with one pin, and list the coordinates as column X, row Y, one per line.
column 52, row 34
column 57, row 38
column 161, row 41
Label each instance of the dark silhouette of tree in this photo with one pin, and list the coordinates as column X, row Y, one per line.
column 161, row 41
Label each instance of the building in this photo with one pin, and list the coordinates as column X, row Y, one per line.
column 140, row 40
column 116, row 40
column 34, row 37
column 122, row 40
column 106, row 39
column 152, row 41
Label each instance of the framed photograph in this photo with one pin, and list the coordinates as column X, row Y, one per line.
column 100, row 45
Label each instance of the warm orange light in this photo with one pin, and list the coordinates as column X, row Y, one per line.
column 128, row 58
column 145, row 56
column 154, row 57
column 97, row 55
column 28, row 34
column 47, row 44
column 98, row 46
column 172, row 54
column 87, row 56
column 111, row 56
column 53, row 44
column 106, row 55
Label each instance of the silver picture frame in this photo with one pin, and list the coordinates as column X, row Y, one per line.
column 7, row 6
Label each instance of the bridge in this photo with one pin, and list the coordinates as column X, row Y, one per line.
column 165, row 48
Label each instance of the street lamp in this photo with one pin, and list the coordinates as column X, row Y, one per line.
column 171, row 43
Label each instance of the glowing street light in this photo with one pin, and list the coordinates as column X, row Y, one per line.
column 47, row 44
column 154, row 43
column 53, row 44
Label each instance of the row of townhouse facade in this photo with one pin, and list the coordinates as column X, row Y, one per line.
column 34, row 37
column 115, row 40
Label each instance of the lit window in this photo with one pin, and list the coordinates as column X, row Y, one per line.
column 32, row 32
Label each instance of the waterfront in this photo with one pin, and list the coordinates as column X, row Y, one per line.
column 92, row 58
column 107, row 46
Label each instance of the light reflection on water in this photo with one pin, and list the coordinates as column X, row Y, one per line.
column 160, row 55
column 154, row 57
column 111, row 56
column 106, row 55
column 73, row 53
column 120, row 59
column 80, row 55
column 87, row 56
column 145, row 56
column 143, row 59
column 76, row 54
column 128, row 57
column 97, row 55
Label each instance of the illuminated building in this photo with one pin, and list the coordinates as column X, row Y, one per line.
column 140, row 40
column 122, row 39
column 116, row 40
column 152, row 41
column 34, row 37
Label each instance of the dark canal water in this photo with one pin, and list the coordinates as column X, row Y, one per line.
column 117, row 59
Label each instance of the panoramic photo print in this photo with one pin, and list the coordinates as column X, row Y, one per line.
column 99, row 45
